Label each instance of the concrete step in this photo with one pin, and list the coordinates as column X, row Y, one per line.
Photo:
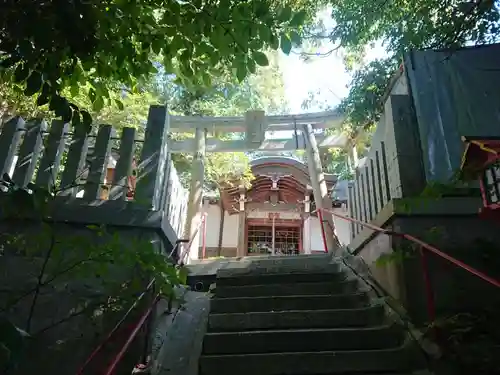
column 362, row 317
column 302, row 340
column 310, row 363
column 281, row 278
column 347, row 286
column 285, row 303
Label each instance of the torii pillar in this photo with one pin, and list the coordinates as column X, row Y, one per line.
column 320, row 190
column 242, row 245
column 195, row 202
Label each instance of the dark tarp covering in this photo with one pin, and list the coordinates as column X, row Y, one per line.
column 456, row 93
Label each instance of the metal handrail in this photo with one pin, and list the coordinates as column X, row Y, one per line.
column 140, row 323
column 422, row 246
column 142, row 319
column 114, row 330
column 187, row 248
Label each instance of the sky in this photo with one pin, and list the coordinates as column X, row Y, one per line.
column 324, row 74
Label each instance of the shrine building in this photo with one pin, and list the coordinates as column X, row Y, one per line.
column 275, row 215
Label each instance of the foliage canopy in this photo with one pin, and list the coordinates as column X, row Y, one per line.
column 228, row 97
column 49, row 46
column 401, row 26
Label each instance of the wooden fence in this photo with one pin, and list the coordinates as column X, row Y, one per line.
column 101, row 166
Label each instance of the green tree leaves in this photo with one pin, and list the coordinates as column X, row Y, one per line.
column 298, row 18
column 363, row 104
column 285, row 14
column 295, row 38
column 260, row 58
column 285, row 44
column 33, row 83
column 119, row 44
column 401, row 25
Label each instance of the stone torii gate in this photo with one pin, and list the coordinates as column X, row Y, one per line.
column 253, row 127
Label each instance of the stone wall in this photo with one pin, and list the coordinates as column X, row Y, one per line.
column 466, row 238
column 65, row 326
column 393, row 167
column 452, row 226
column 227, row 252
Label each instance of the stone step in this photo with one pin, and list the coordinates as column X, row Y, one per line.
column 280, row 278
column 369, row 316
column 302, row 340
column 279, row 264
column 347, row 286
column 310, row 363
column 285, row 303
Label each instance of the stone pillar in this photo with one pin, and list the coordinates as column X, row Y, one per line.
column 273, row 240
column 242, row 244
column 319, row 187
column 306, row 238
column 194, row 209
column 355, row 158
column 202, row 253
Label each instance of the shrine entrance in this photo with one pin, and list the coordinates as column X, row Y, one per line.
column 285, row 186
column 273, row 236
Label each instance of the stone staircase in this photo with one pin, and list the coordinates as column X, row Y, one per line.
column 303, row 315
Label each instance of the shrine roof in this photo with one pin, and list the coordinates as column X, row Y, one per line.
column 278, row 181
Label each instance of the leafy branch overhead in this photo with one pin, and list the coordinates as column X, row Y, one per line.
column 401, row 26
column 49, row 46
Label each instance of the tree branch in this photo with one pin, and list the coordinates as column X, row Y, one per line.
column 25, row 294
column 39, row 281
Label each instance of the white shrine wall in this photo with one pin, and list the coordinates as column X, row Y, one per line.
column 312, row 241
column 229, row 234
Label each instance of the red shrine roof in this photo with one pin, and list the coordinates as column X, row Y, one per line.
column 479, row 153
column 280, row 182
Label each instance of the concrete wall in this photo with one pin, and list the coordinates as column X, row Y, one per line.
column 213, row 225
column 230, row 234
column 313, row 238
column 342, row 227
column 388, row 273
column 453, row 288
column 230, row 231
column 441, row 223
column 316, row 240
column 316, row 244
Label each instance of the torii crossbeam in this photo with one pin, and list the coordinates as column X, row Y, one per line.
column 253, row 128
